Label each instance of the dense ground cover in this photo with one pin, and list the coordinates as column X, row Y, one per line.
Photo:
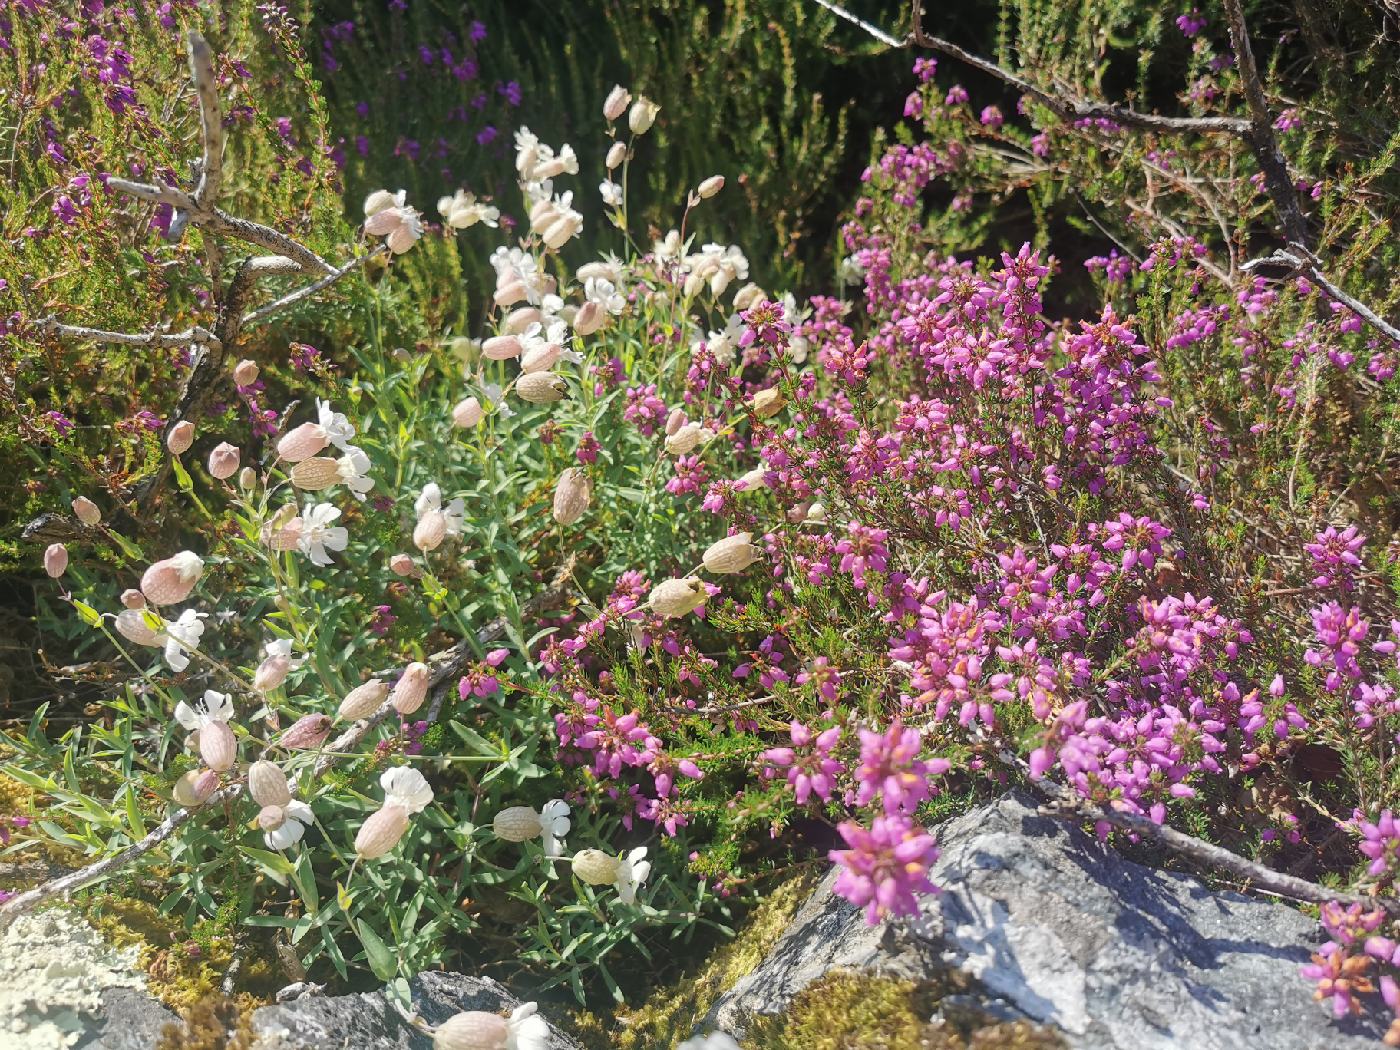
column 536, row 626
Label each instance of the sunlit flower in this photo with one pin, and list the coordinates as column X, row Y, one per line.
column 181, row 637
column 398, row 224
column 284, row 826
column 406, row 787
column 603, row 292
column 276, row 665
column 632, row 871
column 521, row 823
column 208, row 718
column 611, row 193
column 462, row 210
column 318, row 534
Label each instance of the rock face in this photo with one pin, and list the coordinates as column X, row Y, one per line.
column 1061, row 930
column 369, row 1022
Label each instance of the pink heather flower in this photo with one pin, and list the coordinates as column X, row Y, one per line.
column 1380, row 842
column 811, row 772
column 1339, row 977
column 1335, row 555
column 890, row 767
column 1341, row 633
column 886, row 867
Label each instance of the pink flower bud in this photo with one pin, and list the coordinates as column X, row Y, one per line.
column 218, row 746
column 572, row 496
column 133, row 599
column 472, row 1030
column 86, row 511
column 180, row 438
column 194, row 788
column 381, row 832
column 271, row 673
column 430, row 531
column 245, row 373
column 541, row 388
column 56, row 560
column 302, row 443
column 541, row 357
column 501, row 348
column 268, row 784
column 467, row 413
column 363, row 700
column 307, row 732
column 710, row 187
column 520, row 319
column 675, row 420
column 402, row 564
column 170, row 581
column 617, row 153
column 590, row 318
column 131, row 625
column 510, row 292
column 616, row 103
column 411, row 689
column 223, row 461
column 318, row 472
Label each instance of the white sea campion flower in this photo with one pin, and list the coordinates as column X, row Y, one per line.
column 669, row 247
column 194, row 788
column 479, row 1030
column 710, row 187
column 684, row 440
column 267, row 784
column 749, row 295
column 541, row 388
column 462, row 210
column 517, row 265
column 632, row 871
column 56, row 560
column 642, row 115
column 595, row 867
column 522, row 823
column 378, row 201
column 317, row 534
column 282, row 532
column 86, row 511
column 209, row 719
column 611, row 192
column 169, row 581
column 435, row 521
column 604, row 292
column 283, row 826
column 181, row 637
column 715, row 266
column 277, row 663
column 396, row 222
column 405, row 792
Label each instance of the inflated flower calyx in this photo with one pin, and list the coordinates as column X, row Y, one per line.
column 595, row 867
column 363, row 700
column 318, row 472
column 467, row 413
column 501, row 348
column 245, row 373
column 430, row 531
column 302, row 442
column 541, row 357
column 616, row 103
column 180, row 438
column 710, row 187
column 572, row 496
column 170, row 581
column 381, row 832
column 731, row 554
column 194, row 788
column 307, row 732
column 677, row 597
column 642, row 115
column 267, row 784
column 272, row 672
column 133, row 599
column 131, row 625
column 541, row 388
column 402, row 565
column 516, row 824
column 223, row 461
column 617, row 153
column 590, row 318
column 56, row 560
column 767, row 403
column 753, row 480
column 520, row 319
column 685, row 439
column 472, row 1030
column 86, row 511
column 411, row 689
column 218, row 746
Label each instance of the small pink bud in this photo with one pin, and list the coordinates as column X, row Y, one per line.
column 223, row 461
column 271, row 673
column 675, row 420
column 363, row 700
column 430, row 531
column 194, row 788
column 56, row 560
column 572, row 496
column 268, row 784
column 467, row 413
column 710, row 187
column 522, row 318
column 218, row 746
column 170, row 581
column 590, row 318
column 180, row 438
column 411, row 689
column 302, row 443
column 307, row 732
column 86, row 511
column 402, row 564
column 472, row 1030
column 616, row 103
column 245, row 373
column 133, row 599
column 381, row 832
column 501, row 348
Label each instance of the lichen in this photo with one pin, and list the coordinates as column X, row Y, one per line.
column 678, row 1007
column 866, row 1011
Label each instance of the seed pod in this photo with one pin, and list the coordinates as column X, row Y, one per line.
column 301, row 443
column 472, row 1030
column 572, row 496
column 363, row 700
column 194, row 788
column 541, row 357
column 56, row 560
column 86, row 511
column 180, row 438
column 223, row 461
column 430, row 531
column 467, row 413
column 411, row 689
column 676, row 597
column 522, row 318
column 642, row 115
column 247, row 478
column 684, row 440
column 271, row 673
column 541, row 388
column 170, row 581
column 270, row 818
column 616, row 103
column 767, row 403
column 268, row 784
column 245, row 373
column 133, row 599
column 501, row 348
column 731, row 554
column 131, row 625
column 318, row 472
column 595, row 867
column 710, row 187
column 307, row 732
column 516, row 824
column 218, row 746
column 402, row 565
column 590, row 318
column 381, row 832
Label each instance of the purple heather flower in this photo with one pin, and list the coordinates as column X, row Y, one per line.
column 886, row 868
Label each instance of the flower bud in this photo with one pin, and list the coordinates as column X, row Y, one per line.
column 247, row 478
column 402, row 565
column 684, row 439
column 268, row 784
column 180, row 438
column 363, row 700
column 754, row 479
column 590, row 318
column 56, row 560
column 302, row 442
column 572, row 496
column 131, row 625
column 676, row 597
column 86, row 511
column 520, row 319
column 170, row 581
column 617, row 153
column 516, row 824
column 767, row 403
column 559, row 231
column 467, row 413
column 540, row 388
column 271, row 817
column 271, row 673
column 133, row 599
column 472, row 1030
column 816, row 513
column 675, row 420
column 307, row 732
column 541, row 357
column 411, row 689
column 218, row 746
column 501, row 348
column 616, row 103
column 430, row 531
column 749, row 295
column 245, row 373
column 710, row 187
column 381, row 832
column 731, row 554
column 510, row 292
column 194, row 788
column 642, row 115
column 595, row 867
column 223, row 461
column 318, row 472
column 378, row 201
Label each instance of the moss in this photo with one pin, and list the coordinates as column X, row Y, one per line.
column 182, row 970
column 212, row 1023
column 20, row 800
column 673, row 1011
column 863, row 1011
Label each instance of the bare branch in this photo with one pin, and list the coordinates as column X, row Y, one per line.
column 1300, row 258
column 306, row 291
column 878, row 33
column 154, row 193
column 211, row 171
column 155, row 337
column 220, row 222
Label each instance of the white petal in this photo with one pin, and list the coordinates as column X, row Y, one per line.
column 184, row 714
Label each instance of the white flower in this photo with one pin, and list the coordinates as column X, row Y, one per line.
column 717, row 266
column 405, row 787
column 338, row 429
column 318, row 534
column 528, row 1030
column 611, row 193
column 670, row 247
column 215, row 707
column 513, row 264
column 297, row 816
column 603, row 292
column 455, row 513
column 554, row 825
column 463, row 210
column 632, row 871
column 354, row 465
column 397, row 223
column 181, row 637
column 492, row 393
column 797, row 344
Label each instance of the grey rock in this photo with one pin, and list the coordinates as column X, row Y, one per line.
column 130, row 1020
column 368, row 1021
column 1061, row 930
